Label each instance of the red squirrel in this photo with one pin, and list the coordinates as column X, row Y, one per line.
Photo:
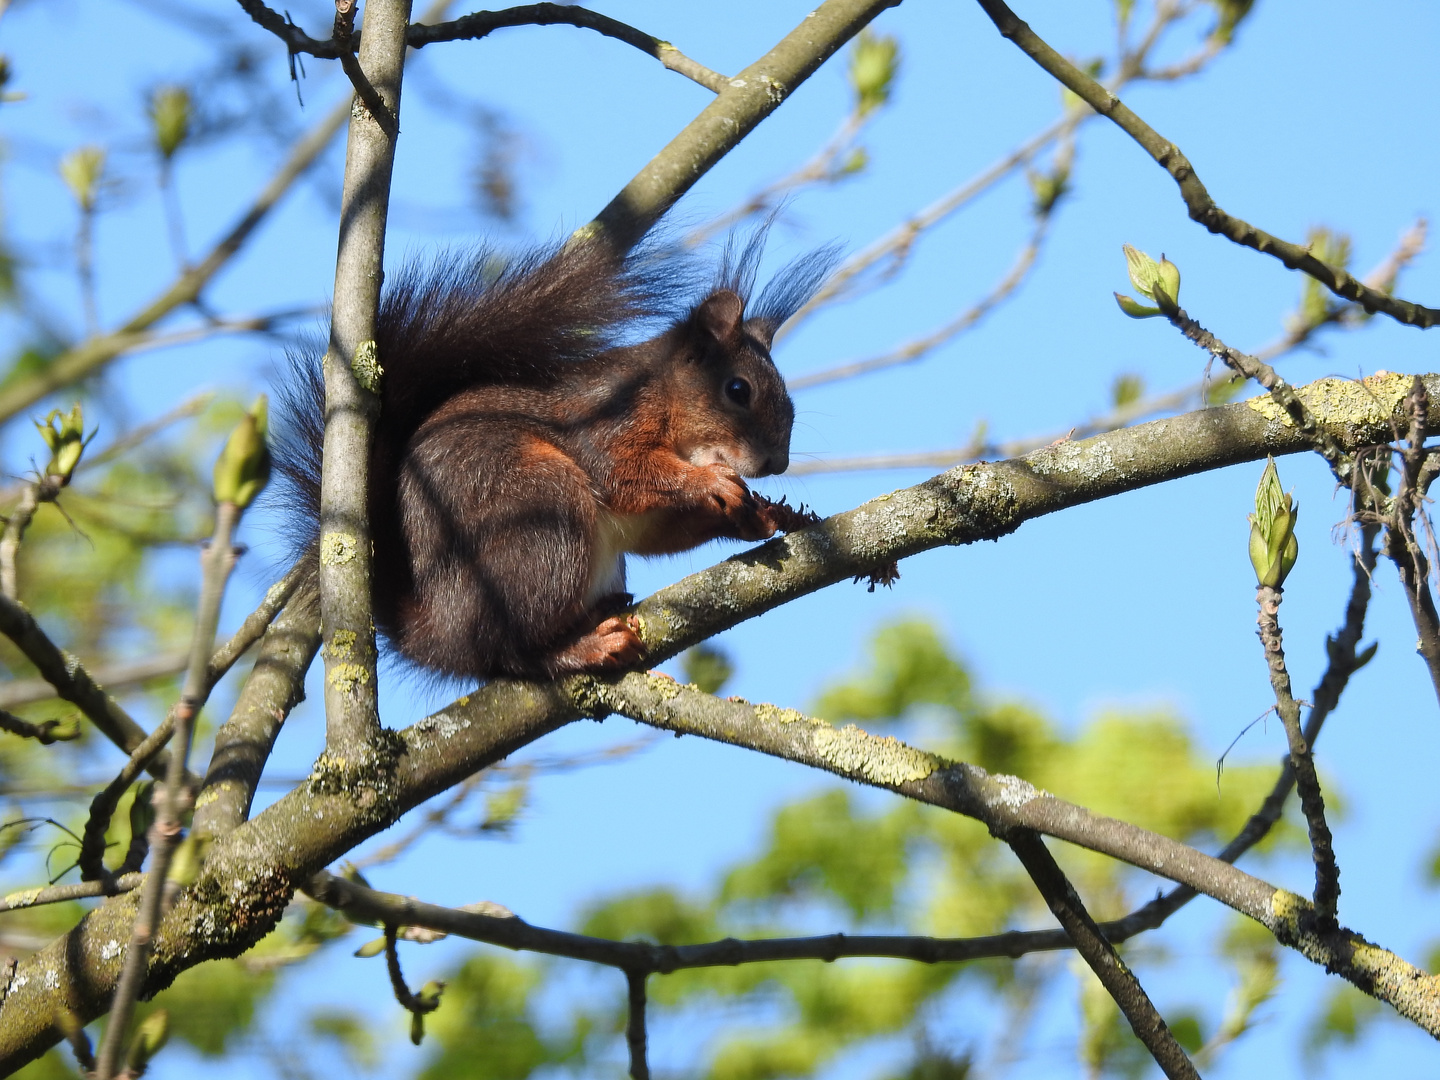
column 523, row 448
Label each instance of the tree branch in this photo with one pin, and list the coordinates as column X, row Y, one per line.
column 1005, row 804
column 94, row 353
column 482, row 23
column 352, row 383
column 1119, row 981
column 248, row 878
column 740, row 105
column 1198, row 202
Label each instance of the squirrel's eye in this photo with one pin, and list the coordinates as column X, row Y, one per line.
column 738, row 391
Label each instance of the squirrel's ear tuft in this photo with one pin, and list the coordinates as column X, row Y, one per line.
column 720, row 315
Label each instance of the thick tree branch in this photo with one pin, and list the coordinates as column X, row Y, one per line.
column 1006, row 804
column 352, row 384
column 1198, row 202
column 252, row 871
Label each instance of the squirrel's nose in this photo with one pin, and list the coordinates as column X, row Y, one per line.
column 776, row 464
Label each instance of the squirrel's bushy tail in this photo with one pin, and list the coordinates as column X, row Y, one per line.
column 470, row 318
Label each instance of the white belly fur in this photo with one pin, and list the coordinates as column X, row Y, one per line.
column 615, row 534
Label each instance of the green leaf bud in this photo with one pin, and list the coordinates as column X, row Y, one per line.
column 244, row 464
column 65, row 436
column 874, row 61
column 371, row 948
column 429, row 995
column 1136, row 310
column 417, row 1028
column 1273, row 547
column 150, row 1037
column 1166, row 291
column 1144, row 271
column 82, row 171
column 170, row 113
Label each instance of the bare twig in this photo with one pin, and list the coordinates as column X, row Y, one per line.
column 1119, row 981
column 1281, row 391
column 219, row 560
column 1402, row 545
column 102, row 807
column 45, row 732
column 917, row 348
column 344, row 27
column 1201, row 206
column 482, row 23
column 96, row 351
column 1312, row 804
column 69, row 678
column 635, row 1025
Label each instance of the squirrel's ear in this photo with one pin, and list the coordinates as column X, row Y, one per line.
column 720, row 315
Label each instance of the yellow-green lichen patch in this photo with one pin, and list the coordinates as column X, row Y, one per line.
column 879, row 760
column 337, row 549
column 1344, row 402
column 23, row 898
column 662, row 686
column 346, row 677
column 773, row 714
column 366, row 366
column 1288, row 907
column 206, row 797
column 342, row 645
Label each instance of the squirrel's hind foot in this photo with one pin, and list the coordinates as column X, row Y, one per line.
column 614, row 644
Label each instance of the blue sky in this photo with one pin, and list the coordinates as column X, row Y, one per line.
column 1321, row 114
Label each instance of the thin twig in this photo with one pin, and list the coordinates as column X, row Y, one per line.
column 344, row 28
column 1119, row 981
column 45, row 732
column 635, row 1025
column 1251, row 367
column 1202, row 208
column 96, row 351
column 917, row 348
column 1312, row 804
column 218, row 561
column 1402, row 545
column 60, row 894
column 69, row 678
column 102, row 807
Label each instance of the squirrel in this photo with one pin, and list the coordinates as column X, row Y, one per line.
column 523, row 447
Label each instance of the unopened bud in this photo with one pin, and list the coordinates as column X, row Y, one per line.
column 65, row 436
column 874, row 60
column 82, row 170
column 1273, row 547
column 170, row 113
column 371, row 948
column 244, row 464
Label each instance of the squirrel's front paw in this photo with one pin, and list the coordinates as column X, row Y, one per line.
column 726, row 491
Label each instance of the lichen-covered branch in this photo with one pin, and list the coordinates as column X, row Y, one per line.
column 252, row 870
column 1201, row 206
column 1119, row 981
column 243, row 743
column 1006, row 804
column 352, row 372
column 740, row 105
